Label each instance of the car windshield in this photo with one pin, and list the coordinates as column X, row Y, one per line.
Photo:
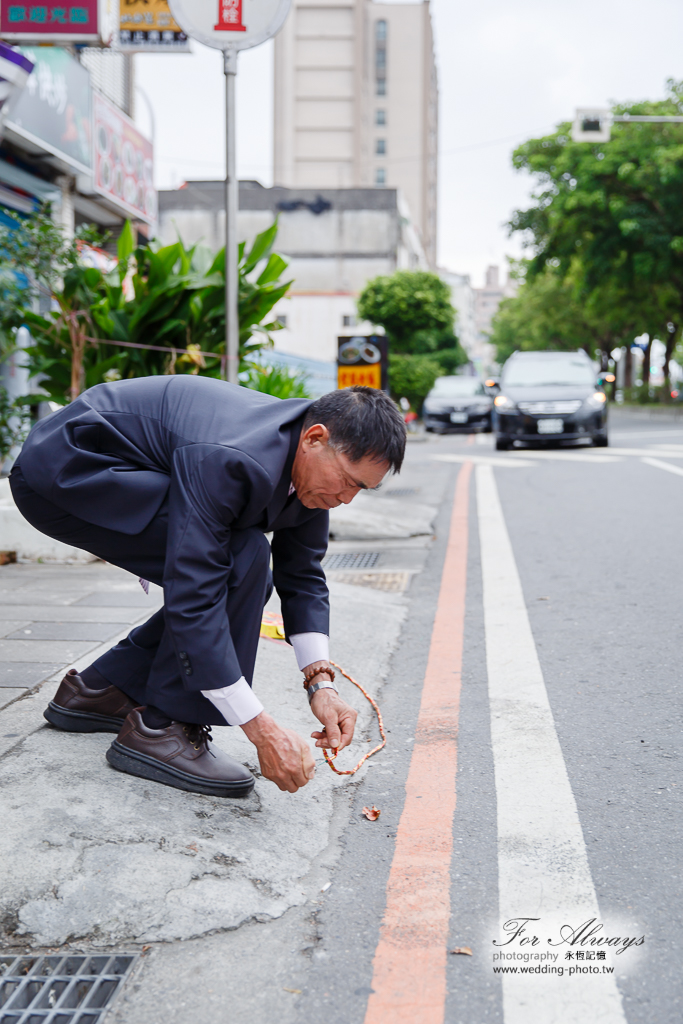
column 457, row 387
column 531, row 373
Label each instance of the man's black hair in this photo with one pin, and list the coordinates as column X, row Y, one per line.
column 362, row 422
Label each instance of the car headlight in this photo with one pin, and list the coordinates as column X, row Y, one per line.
column 596, row 400
column 504, row 404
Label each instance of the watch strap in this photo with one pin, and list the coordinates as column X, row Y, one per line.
column 313, row 689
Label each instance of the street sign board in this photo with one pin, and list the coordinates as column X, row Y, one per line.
column 363, row 360
column 230, row 24
column 53, row 110
column 147, row 26
column 123, row 162
column 56, row 21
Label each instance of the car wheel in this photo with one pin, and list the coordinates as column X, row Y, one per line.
column 601, row 442
column 501, row 445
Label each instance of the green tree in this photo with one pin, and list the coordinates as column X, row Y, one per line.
column 611, row 214
column 412, row 376
column 548, row 313
column 414, row 308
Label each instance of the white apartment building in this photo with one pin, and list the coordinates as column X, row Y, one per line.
column 335, row 240
column 486, row 303
column 462, row 297
column 356, row 102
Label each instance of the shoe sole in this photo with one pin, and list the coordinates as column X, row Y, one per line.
column 133, row 763
column 80, row 721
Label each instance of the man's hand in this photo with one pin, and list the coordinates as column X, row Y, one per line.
column 285, row 758
column 337, row 717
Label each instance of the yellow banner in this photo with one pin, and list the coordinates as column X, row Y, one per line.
column 148, row 25
column 369, row 375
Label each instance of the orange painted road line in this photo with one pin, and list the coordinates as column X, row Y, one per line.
column 409, row 971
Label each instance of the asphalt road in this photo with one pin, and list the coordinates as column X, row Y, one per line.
column 595, row 544
column 566, row 780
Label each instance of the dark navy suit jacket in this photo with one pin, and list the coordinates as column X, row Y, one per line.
column 223, row 456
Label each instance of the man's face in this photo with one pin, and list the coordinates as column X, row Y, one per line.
column 324, row 478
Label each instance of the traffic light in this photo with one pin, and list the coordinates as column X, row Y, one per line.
column 592, row 124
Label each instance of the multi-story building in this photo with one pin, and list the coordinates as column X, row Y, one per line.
column 334, row 239
column 486, row 303
column 463, row 300
column 356, row 102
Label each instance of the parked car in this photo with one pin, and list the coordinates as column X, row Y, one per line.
column 457, row 403
column 550, row 397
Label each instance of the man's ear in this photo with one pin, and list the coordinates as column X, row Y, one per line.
column 316, row 434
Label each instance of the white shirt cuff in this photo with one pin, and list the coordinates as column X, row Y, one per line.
column 310, row 647
column 238, row 703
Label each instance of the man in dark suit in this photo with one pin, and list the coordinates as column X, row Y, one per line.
column 178, row 479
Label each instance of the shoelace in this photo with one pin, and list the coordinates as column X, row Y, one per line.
column 199, row 735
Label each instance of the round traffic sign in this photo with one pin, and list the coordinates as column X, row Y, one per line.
column 230, row 24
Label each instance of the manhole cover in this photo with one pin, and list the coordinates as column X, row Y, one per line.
column 60, row 989
column 402, row 492
column 392, row 582
column 351, row 560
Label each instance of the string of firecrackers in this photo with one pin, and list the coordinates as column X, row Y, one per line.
column 375, row 750
column 272, row 629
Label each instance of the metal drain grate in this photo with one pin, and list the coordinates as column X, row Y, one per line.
column 351, row 560
column 402, row 492
column 60, row 989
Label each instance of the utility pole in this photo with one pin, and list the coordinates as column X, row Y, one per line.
column 232, row 353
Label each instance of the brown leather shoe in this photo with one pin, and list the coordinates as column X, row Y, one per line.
column 180, row 756
column 76, row 708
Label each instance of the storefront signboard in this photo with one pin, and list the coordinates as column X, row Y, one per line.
column 54, row 109
column 123, row 162
column 147, row 26
column 56, row 21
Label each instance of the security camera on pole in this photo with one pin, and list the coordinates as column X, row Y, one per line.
column 230, row 25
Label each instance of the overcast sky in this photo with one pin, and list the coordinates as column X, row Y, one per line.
column 508, row 70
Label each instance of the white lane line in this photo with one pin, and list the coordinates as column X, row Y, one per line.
column 484, row 460
column 559, row 455
column 663, row 465
column 542, row 863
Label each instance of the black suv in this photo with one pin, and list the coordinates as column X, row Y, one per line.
column 549, row 396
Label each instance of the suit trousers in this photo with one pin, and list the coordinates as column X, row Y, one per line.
column 144, row 665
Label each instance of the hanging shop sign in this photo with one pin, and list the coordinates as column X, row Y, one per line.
column 53, row 112
column 15, row 68
column 230, row 24
column 123, row 165
column 147, row 26
column 56, row 21
column 363, row 360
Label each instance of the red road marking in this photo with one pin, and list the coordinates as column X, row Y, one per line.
column 409, row 971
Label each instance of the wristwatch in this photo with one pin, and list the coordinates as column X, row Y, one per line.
column 316, row 669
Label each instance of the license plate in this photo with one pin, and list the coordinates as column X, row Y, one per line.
column 550, row 426
column 458, row 417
